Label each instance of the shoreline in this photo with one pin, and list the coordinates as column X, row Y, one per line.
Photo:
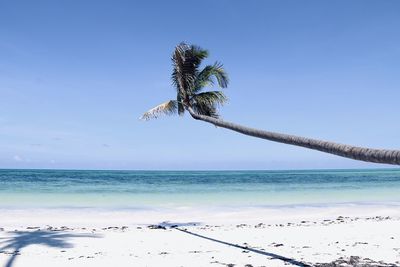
column 223, row 215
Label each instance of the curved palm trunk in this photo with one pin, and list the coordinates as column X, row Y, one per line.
column 347, row 151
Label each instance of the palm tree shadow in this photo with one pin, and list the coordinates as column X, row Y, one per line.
column 21, row 239
column 269, row 254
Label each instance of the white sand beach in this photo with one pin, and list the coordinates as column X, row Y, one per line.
column 251, row 237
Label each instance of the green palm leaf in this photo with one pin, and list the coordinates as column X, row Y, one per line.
column 211, row 98
column 206, row 103
column 210, row 73
column 186, row 61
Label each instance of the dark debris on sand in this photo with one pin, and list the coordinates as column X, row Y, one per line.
column 355, row 261
column 156, row 226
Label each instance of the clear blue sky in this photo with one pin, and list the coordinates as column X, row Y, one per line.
column 76, row 75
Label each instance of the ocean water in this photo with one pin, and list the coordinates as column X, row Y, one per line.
column 144, row 189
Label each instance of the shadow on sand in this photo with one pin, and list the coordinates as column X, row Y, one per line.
column 18, row 240
column 272, row 255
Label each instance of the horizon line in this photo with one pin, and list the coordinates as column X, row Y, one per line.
column 202, row 170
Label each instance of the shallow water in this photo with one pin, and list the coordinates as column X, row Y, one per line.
column 144, row 189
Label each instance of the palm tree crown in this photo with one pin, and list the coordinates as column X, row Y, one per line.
column 190, row 80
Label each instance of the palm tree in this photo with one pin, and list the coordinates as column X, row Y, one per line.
column 189, row 81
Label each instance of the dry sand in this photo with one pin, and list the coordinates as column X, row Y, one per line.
column 225, row 241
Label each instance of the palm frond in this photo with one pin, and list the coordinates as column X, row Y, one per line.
column 186, row 62
column 178, row 59
column 197, row 54
column 208, row 74
column 184, row 67
column 166, row 108
column 204, row 109
column 206, row 103
column 210, row 98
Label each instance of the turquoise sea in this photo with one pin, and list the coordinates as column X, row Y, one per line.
column 141, row 189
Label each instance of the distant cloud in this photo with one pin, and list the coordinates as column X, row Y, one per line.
column 105, row 145
column 17, row 158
